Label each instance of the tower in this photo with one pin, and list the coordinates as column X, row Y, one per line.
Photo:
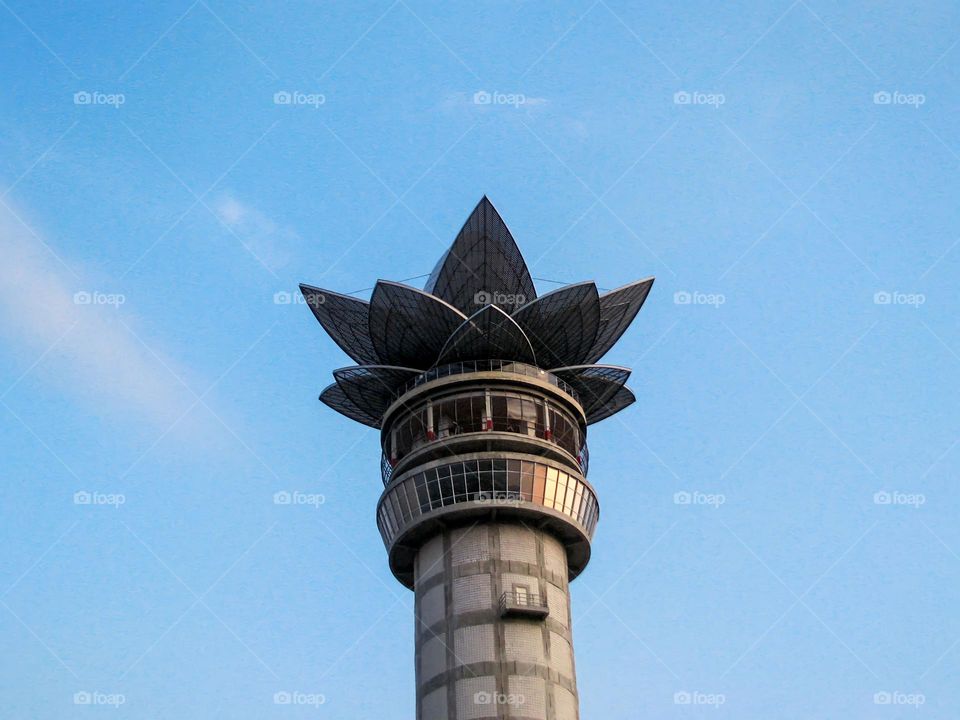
column 482, row 392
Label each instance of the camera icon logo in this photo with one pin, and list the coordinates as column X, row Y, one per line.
column 282, row 498
column 82, row 698
column 282, row 698
column 482, row 698
column 82, row 98
column 82, row 298
column 682, row 698
column 882, row 97
column 282, row 297
column 482, row 97
column 882, row 498
column 483, row 298
column 882, row 298
column 82, row 497
column 881, row 698
column 682, row 298
column 682, row 498
column 682, row 97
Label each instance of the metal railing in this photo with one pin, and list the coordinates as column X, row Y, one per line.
column 473, row 366
column 522, row 601
column 386, row 468
column 528, row 428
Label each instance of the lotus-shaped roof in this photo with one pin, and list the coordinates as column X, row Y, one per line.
column 479, row 303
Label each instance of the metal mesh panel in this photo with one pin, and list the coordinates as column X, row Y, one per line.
column 618, row 402
column 597, row 387
column 484, row 265
column 408, row 326
column 334, row 397
column 618, row 308
column 346, row 321
column 489, row 333
column 372, row 387
column 562, row 325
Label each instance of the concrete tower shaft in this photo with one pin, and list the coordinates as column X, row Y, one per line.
column 487, row 514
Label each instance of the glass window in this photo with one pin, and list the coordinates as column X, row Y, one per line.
column 561, row 491
column 444, row 415
column 539, row 482
column 412, row 501
column 513, row 479
column 578, row 501
column 526, row 480
column 401, row 497
column 551, row 489
column 445, row 485
column 498, row 404
column 396, row 508
column 571, row 494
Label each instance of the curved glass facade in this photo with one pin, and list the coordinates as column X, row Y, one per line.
column 495, row 481
column 477, row 411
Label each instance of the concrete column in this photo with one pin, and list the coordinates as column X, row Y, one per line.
column 472, row 664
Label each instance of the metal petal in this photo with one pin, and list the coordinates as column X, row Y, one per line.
column 618, row 308
column 562, row 325
column 596, row 385
column 345, row 319
column 334, row 397
column 483, row 266
column 488, row 334
column 372, row 388
column 623, row 397
column 409, row 326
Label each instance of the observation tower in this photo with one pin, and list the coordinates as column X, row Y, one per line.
column 482, row 392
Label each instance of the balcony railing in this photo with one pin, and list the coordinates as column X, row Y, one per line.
column 473, row 366
column 523, row 604
column 386, row 466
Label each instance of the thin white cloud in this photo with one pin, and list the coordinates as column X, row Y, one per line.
column 270, row 242
column 82, row 328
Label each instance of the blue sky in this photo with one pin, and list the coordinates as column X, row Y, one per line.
column 788, row 171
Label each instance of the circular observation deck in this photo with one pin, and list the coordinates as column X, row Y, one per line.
column 482, row 443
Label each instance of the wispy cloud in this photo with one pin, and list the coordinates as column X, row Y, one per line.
column 269, row 241
column 83, row 330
